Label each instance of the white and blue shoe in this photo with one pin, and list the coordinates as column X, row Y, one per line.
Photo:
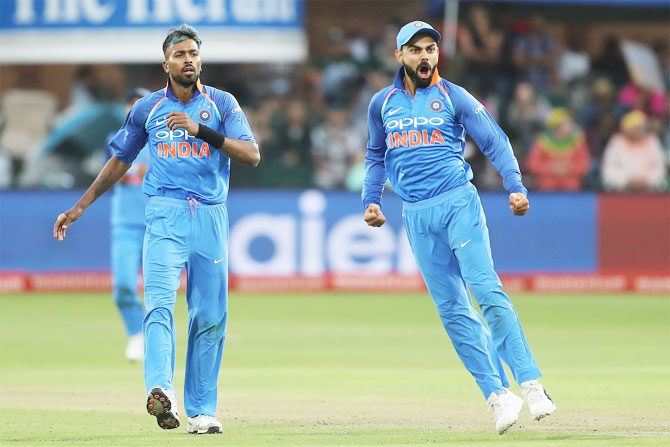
column 203, row 424
column 506, row 407
column 539, row 402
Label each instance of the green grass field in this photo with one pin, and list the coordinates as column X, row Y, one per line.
column 337, row 369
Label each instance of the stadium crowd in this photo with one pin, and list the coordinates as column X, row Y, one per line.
column 576, row 119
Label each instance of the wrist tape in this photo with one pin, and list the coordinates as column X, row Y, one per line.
column 211, row 136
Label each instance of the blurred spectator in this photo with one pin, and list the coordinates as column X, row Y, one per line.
column 506, row 72
column 599, row 120
column 26, row 117
column 480, row 43
column 638, row 97
column 574, row 64
column 526, row 116
column 356, row 175
column 288, row 161
column 383, row 48
column 535, row 55
column 610, row 62
column 633, row 159
column 662, row 52
column 86, row 88
column 339, row 72
column 335, row 147
column 559, row 158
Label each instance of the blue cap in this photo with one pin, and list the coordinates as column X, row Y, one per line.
column 137, row 93
column 408, row 31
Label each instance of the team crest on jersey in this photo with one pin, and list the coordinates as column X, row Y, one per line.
column 436, row 105
column 204, row 115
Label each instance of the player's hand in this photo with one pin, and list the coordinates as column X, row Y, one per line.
column 374, row 216
column 518, row 203
column 180, row 120
column 64, row 220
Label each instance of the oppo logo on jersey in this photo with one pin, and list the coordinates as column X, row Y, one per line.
column 414, row 122
column 413, row 138
column 176, row 134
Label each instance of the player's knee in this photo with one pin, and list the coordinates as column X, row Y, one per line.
column 213, row 328
column 158, row 314
column 124, row 295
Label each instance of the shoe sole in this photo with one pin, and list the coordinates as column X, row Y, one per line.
column 158, row 405
column 548, row 412
column 545, row 414
column 210, row 431
column 504, row 430
column 519, row 406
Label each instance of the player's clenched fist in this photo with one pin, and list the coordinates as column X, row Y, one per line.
column 374, row 216
column 180, row 120
column 518, row 203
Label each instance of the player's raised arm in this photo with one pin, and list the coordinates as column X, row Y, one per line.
column 113, row 170
column 494, row 143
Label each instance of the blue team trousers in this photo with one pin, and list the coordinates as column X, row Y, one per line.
column 179, row 234
column 126, row 260
column 450, row 241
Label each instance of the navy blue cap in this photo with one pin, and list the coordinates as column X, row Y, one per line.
column 137, row 93
column 408, row 31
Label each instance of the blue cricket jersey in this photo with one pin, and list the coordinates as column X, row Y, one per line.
column 182, row 166
column 418, row 142
column 128, row 200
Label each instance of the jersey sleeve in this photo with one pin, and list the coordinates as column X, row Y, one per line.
column 375, row 171
column 132, row 136
column 233, row 120
column 109, row 152
column 490, row 138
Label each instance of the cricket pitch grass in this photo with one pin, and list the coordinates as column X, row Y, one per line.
column 333, row 369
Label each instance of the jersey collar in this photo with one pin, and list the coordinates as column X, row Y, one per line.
column 400, row 83
column 199, row 90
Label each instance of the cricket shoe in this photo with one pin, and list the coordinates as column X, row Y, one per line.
column 506, row 407
column 539, row 402
column 135, row 348
column 203, row 424
column 162, row 403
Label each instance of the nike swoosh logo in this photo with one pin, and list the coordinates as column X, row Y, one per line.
column 394, row 111
column 158, row 123
column 216, row 261
column 463, row 244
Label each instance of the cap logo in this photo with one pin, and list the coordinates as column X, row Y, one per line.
column 419, row 24
column 204, row 115
column 436, row 105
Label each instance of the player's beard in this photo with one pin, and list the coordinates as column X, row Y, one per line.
column 413, row 75
column 186, row 81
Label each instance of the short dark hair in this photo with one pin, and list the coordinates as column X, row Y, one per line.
column 180, row 33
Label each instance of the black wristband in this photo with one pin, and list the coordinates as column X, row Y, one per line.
column 211, row 136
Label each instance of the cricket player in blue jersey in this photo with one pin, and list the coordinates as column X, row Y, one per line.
column 416, row 130
column 127, row 222
column 192, row 132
